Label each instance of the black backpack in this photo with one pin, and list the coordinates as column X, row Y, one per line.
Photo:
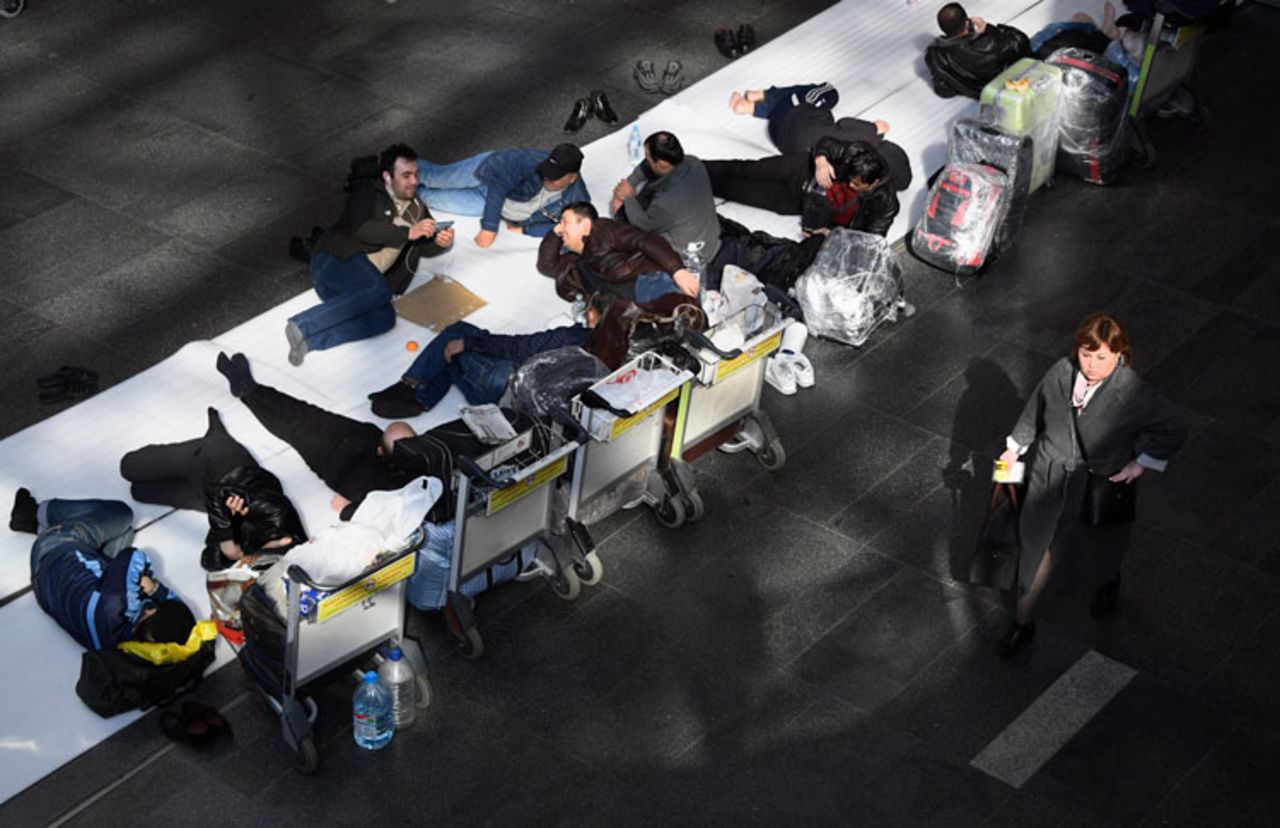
column 113, row 681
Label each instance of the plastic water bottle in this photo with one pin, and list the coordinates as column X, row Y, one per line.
column 371, row 710
column 692, row 258
column 635, row 145
column 398, row 679
column 579, row 310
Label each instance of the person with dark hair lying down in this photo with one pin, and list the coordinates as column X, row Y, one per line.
column 87, row 576
column 837, row 184
column 247, row 508
column 970, row 52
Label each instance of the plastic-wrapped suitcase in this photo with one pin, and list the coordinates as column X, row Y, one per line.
column 972, row 142
column 1023, row 99
column 852, row 286
column 965, row 206
column 1093, row 138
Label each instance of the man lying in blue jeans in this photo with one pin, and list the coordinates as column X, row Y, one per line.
column 88, row 577
column 523, row 188
column 478, row 362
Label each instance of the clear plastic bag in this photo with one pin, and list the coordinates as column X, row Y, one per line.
column 972, row 142
column 852, row 286
column 965, row 206
column 1092, row 136
column 549, row 380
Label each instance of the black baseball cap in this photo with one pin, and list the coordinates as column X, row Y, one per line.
column 564, row 159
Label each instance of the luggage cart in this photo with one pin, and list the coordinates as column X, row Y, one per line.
column 621, row 461
column 1168, row 59
column 504, row 502
column 720, row 408
column 325, row 626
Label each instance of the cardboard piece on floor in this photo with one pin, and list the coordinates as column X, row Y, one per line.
column 438, row 303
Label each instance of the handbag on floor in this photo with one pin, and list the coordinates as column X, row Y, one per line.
column 995, row 561
column 1107, row 503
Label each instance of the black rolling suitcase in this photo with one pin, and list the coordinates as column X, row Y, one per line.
column 1093, row 141
column 972, row 142
column 965, row 206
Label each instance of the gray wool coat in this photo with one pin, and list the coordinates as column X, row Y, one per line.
column 1125, row 420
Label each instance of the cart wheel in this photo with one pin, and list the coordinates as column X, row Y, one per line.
column 696, row 509
column 1144, row 154
column 11, row 8
column 424, row 692
column 308, row 758
column 566, row 584
column 591, row 571
column 472, row 644
column 670, row 512
column 772, row 456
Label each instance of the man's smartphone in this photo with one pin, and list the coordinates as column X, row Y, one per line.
column 443, row 225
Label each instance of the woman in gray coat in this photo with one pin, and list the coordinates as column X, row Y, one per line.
column 1090, row 414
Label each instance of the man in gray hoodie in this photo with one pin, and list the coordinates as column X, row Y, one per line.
column 669, row 194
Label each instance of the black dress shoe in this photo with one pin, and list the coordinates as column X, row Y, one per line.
column 1015, row 637
column 578, row 117
column 726, row 43
column 600, row 107
column 746, row 38
column 1105, row 600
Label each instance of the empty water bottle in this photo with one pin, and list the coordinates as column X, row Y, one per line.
column 397, row 676
column 635, row 145
column 692, row 258
column 372, row 726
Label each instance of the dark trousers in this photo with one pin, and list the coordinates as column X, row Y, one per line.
column 775, row 183
column 323, row 439
column 177, row 474
column 780, row 100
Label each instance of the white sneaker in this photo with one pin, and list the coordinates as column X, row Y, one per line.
column 802, row 368
column 779, row 374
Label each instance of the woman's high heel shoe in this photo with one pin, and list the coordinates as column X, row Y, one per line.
column 1017, row 635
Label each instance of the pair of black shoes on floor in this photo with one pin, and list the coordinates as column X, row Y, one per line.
column 733, row 45
column 195, row 724
column 67, row 383
column 596, row 104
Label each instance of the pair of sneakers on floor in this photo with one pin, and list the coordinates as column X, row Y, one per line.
column 789, row 369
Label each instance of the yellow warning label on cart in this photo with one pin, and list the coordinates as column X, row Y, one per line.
column 624, row 425
column 500, row 499
column 749, row 355
column 341, row 600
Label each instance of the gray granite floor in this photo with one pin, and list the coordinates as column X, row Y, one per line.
column 808, row 651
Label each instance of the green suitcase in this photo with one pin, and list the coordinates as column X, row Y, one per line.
column 1023, row 100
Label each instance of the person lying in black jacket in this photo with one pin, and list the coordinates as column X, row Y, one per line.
column 247, row 508
column 838, row 184
column 970, row 52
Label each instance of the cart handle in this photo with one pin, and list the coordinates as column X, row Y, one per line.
column 573, row 429
column 778, row 296
column 700, row 340
column 471, row 469
column 299, row 575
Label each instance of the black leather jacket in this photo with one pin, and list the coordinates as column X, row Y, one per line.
column 962, row 65
column 877, row 207
column 271, row 515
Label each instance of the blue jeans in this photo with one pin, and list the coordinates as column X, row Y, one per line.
column 355, row 302
column 104, row 525
column 453, row 188
column 779, row 100
column 481, row 378
column 650, row 286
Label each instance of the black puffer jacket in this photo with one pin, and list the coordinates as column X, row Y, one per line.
column 962, row 65
column 271, row 515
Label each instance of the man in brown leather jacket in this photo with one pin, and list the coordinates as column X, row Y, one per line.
column 588, row 254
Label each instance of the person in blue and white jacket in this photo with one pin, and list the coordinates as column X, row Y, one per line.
column 89, row 578
column 525, row 189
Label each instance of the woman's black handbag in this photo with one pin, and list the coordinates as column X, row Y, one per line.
column 995, row 561
column 1107, row 503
